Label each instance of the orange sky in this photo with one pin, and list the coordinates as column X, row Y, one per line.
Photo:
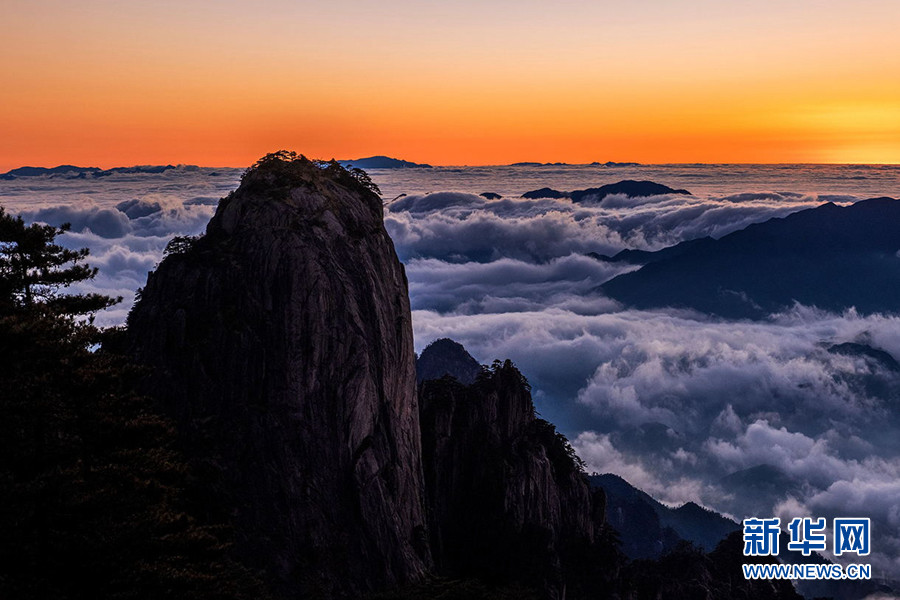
column 107, row 83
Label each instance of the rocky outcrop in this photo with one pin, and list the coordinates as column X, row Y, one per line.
column 507, row 497
column 281, row 343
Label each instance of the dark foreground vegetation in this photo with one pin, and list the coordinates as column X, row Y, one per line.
column 95, row 499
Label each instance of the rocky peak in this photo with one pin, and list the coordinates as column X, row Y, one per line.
column 506, row 494
column 446, row 357
column 308, row 192
column 281, row 343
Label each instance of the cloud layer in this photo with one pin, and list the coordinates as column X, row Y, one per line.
column 462, row 227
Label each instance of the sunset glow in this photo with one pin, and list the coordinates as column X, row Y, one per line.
column 105, row 83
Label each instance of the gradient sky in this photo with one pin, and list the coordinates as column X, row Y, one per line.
column 106, row 83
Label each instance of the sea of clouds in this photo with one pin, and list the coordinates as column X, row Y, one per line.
column 674, row 401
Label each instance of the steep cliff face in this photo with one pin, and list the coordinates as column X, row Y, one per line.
column 508, row 502
column 281, row 343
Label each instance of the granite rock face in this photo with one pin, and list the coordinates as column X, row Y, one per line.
column 281, row 344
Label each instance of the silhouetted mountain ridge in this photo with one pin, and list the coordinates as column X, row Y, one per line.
column 830, row 257
column 72, row 171
column 642, row 257
column 662, row 527
column 626, row 187
column 545, row 192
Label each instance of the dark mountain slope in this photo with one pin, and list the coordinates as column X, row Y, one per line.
column 643, row 257
column 831, row 257
column 650, row 528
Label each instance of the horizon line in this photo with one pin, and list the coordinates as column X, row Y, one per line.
column 625, row 164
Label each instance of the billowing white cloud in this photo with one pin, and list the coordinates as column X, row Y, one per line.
column 511, row 285
column 461, row 227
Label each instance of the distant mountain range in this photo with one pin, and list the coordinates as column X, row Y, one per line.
column 40, row 171
column 382, row 162
column 369, row 162
column 72, row 171
column 831, row 257
column 563, row 164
